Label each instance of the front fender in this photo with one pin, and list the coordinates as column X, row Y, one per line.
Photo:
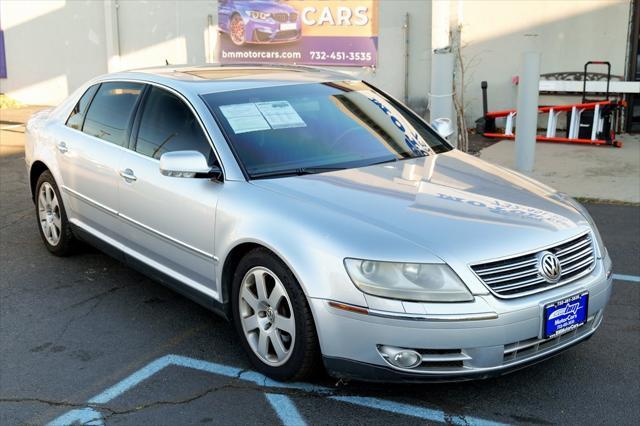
column 313, row 242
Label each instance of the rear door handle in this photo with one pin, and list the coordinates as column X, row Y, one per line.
column 62, row 147
column 128, row 175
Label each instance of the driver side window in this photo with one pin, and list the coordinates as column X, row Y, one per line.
column 167, row 124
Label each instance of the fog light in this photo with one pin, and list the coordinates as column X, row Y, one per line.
column 403, row 358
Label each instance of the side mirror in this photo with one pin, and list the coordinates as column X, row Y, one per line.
column 443, row 126
column 187, row 164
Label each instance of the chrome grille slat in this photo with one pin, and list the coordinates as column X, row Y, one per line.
column 579, row 265
column 519, row 275
column 506, row 268
column 586, row 242
column 537, row 280
column 510, row 277
column 583, row 253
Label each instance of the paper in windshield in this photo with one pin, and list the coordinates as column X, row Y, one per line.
column 244, row 118
column 280, row 114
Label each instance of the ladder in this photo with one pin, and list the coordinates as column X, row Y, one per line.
column 599, row 125
column 590, row 122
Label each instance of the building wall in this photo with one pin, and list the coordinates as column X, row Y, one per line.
column 567, row 33
column 54, row 46
column 51, row 48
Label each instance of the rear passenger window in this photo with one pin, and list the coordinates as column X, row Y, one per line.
column 77, row 114
column 167, row 124
column 110, row 112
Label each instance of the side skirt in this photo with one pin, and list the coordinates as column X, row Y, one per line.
column 222, row 309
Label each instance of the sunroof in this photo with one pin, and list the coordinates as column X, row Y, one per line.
column 225, row 73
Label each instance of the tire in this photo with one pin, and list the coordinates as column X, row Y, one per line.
column 51, row 217
column 237, row 30
column 299, row 354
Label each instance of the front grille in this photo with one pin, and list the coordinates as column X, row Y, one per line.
column 283, row 35
column 280, row 17
column 519, row 275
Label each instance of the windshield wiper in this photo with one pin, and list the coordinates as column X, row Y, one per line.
column 295, row 172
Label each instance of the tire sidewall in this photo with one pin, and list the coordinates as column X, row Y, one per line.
column 291, row 368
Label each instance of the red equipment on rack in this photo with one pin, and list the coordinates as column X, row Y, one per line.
column 589, row 122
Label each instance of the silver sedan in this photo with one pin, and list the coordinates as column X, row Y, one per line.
column 325, row 220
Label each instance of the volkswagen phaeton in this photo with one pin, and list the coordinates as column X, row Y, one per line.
column 330, row 224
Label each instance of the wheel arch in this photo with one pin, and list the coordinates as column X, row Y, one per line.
column 37, row 168
column 233, row 258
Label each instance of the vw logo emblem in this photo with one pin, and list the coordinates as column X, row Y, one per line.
column 549, row 266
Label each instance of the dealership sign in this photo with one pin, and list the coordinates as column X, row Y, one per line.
column 311, row 32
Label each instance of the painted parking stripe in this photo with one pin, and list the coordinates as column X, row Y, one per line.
column 284, row 406
column 623, row 277
column 285, row 409
column 412, row 410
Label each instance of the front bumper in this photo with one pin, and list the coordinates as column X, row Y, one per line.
column 485, row 338
column 262, row 32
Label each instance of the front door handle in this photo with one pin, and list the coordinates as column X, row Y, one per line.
column 128, row 175
column 62, row 147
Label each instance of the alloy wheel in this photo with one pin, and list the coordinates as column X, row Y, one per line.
column 49, row 214
column 237, row 30
column 267, row 318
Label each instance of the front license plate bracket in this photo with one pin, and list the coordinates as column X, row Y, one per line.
column 565, row 315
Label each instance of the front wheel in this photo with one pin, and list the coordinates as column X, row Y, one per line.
column 273, row 318
column 237, row 30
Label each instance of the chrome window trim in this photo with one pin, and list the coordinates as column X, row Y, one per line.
column 162, row 86
column 532, row 252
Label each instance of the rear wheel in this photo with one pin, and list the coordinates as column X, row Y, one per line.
column 52, row 218
column 273, row 318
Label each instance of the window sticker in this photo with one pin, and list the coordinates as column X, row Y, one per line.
column 244, row 118
column 280, row 114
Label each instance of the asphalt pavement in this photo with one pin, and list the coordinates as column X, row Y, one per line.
column 86, row 338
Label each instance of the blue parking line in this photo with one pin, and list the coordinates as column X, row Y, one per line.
column 623, row 277
column 284, row 408
column 84, row 416
column 412, row 410
column 283, row 405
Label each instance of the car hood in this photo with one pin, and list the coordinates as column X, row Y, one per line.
column 266, row 6
column 456, row 206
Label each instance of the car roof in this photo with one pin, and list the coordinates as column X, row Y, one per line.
column 222, row 78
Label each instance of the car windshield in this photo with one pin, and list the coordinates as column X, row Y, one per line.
column 311, row 128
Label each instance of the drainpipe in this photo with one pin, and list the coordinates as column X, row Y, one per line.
column 442, row 63
column 112, row 35
column 405, row 27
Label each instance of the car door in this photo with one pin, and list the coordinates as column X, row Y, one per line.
column 89, row 153
column 169, row 221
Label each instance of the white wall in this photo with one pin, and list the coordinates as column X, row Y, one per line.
column 568, row 33
column 51, row 47
column 54, row 46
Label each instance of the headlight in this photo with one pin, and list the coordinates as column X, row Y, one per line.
column 256, row 14
column 600, row 248
column 418, row 282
